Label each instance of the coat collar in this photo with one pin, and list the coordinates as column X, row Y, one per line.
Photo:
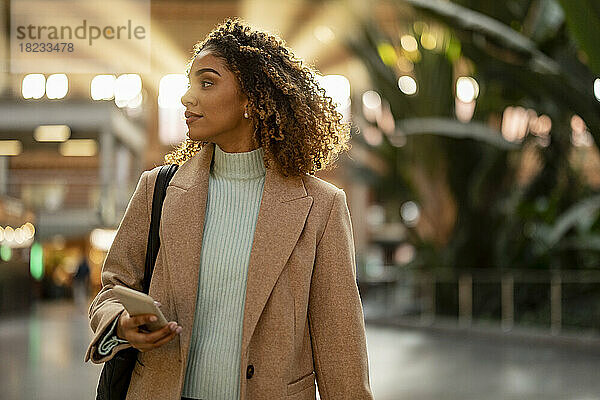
column 283, row 211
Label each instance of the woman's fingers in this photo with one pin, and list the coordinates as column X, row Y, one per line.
column 164, row 340
column 161, row 333
column 147, row 345
column 147, row 341
column 134, row 322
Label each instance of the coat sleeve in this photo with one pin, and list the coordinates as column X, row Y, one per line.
column 335, row 312
column 109, row 340
column 123, row 265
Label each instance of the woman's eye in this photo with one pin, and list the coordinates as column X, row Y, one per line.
column 203, row 82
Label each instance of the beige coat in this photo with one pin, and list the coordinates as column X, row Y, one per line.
column 303, row 317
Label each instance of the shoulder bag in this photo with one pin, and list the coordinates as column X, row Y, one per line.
column 116, row 373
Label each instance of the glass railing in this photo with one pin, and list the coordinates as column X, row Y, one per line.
column 555, row 302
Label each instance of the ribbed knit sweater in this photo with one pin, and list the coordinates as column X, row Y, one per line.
column 235, row 190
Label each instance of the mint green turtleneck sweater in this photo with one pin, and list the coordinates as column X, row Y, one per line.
column 235, row 190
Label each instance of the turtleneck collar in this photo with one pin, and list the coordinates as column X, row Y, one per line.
column 244, row 165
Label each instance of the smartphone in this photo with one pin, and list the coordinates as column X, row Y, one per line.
column 137, row 303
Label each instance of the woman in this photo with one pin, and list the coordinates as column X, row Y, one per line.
column 256, row 268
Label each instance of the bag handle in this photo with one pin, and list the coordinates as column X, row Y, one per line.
column 163, row 178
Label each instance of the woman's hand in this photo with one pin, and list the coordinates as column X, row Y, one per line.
column 129, row 328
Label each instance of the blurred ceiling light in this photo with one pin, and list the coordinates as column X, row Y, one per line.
column 171, row 121
column 385, row 119
column 15, row 238
column 597, row 89
column 578, row 124
column 420, row 27
column 371, row 99
column 407, row 85
column 532, row 117
column 467, row 89
column 127, row 88
column 10, row 147
column 405, row 65
column 371, row 105
column 581, row 139
column 102, row 238
column 9, row 233
column 515, row 123
column 428, row 41
column 372, row 135
column 52, row 133
column 464, row 111
column 404, row 253
column 170, row 90
column 580, row 136
column 33, row 86
column 57, row 86
column 19, row 237
column 324, row 34
column 103, row 87
column 136, row 102
column 79, row 148
column 29, row 230
column 410, row 213
column 540, row 125
column 409, row 43
column 338, row 88
column 397, row 139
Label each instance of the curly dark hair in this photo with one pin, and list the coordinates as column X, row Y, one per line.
column 295, row 122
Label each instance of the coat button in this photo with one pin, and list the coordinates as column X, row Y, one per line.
column 249, row 371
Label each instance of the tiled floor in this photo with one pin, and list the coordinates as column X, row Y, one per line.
column 41, row 357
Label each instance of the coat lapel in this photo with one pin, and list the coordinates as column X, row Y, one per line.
column 283, row 211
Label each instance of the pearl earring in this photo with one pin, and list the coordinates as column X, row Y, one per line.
column 246, row 114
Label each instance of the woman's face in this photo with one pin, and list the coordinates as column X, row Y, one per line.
column 215, row 95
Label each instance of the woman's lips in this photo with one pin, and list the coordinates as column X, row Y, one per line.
column 191, row 119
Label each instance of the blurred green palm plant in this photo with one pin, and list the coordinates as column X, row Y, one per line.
column 486, row 201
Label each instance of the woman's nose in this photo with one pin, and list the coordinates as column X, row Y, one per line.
column 187, row 99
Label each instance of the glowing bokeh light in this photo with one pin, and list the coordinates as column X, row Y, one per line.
column 127, row 88
column 407, row 85
column 467, row 89
column 409, row 43
column 338, row 88
column 103, row 87
column 33, row 86
column 371, row 105
column 428, row 41
column 170, row 90
column 324, row 34
column 410, row 213
column 36, row 261
column 5, row 252
column 57, row 86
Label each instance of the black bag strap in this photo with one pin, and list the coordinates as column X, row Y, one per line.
column 165, row 173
